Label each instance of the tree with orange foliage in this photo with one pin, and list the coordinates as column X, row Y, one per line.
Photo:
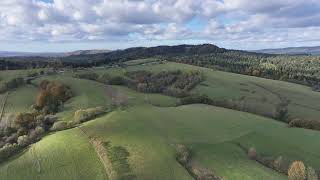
column 51, row 95
column 297, row 171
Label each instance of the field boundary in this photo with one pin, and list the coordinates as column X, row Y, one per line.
column 281, row 109
column 281, row 97
column 195, row 170
column 102, row 154
column 4, row 105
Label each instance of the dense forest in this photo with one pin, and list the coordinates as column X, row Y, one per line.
column 297, row 69
column 172, row 83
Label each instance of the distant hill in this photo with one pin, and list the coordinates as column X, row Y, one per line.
column 85, row 52
column 146, row 52
column 28, row 54
column 292, row 51
column 49, row 54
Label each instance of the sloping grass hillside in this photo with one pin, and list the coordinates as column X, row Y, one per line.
column 148, row 129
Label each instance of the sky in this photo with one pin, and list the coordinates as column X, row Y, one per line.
column 67, row 25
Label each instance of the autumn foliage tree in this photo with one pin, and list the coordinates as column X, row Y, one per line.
column 25, row 120
column 51, row 95
column 297, row 171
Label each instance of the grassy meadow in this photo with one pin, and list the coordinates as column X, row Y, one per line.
column 151, row 126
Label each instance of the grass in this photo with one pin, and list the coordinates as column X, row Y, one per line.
column 118, row 157
column 229, row 160
column 141, row 61
column 11, row 74
column 21, row 99
column 261, row 94
column 150, row 128
column 211, row 132
column 87, row 94
column 64, row 155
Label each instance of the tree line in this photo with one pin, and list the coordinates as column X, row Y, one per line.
column 301, row 69
column 297, row 69
column 173, row 83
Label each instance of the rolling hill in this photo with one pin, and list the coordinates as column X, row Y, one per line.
column 139, row 141
column 50, row 54
column 292, row 51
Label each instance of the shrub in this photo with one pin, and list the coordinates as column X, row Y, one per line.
column 22, row 131
column 183, row 154
column 196, row 99
column 281, row 112
column 252, row 153
column 311, row 174
column 23, row 140
column 60, row 125
column 36, row 133
column 281, row 165
column 7, row 150
column 12, row 139
column 303, row 123
column 83, row 115
column 297, row 171
column 50, row 119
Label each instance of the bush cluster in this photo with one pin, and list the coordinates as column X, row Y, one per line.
column 304, row 123
column 196, row 99
column 80, row 116
column 18, row 131
column 84, row 115
column 278, row 164
column 184, row 157
column 22, row 130
column 296, row 170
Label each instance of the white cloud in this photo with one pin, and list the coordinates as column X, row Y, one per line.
column 93, row 20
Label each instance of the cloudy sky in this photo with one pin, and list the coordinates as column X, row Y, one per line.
column 64, row 25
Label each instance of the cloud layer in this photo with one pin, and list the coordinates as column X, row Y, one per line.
column 243, row 24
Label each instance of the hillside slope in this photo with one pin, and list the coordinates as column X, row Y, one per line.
column 141, row 138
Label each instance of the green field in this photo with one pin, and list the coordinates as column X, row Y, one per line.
column 64, row 155
column 150, row 127
column 251, row 92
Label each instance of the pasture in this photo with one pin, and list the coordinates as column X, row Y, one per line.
column 150, row 127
